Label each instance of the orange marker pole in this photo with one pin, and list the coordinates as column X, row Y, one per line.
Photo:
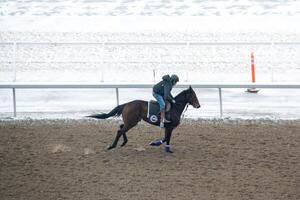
column 252, row 68
column 252, row 90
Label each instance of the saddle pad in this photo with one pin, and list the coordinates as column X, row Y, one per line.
column 153, row 112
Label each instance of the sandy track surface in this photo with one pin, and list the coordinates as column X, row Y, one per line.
column 68, row 160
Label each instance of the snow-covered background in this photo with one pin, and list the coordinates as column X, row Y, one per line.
column 102, row 22
column 149, row 8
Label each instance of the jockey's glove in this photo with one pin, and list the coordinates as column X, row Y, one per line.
column 173, row 101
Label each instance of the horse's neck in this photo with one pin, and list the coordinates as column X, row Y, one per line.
column 180, row 102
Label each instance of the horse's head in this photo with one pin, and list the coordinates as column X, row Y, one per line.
column 192, row 98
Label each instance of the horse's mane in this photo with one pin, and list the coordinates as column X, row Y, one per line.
column 181, row 95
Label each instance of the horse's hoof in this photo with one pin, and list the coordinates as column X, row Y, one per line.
column 122, row 145
column 168, row 149
column 110, row 147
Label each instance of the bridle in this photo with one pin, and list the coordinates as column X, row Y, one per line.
column 187, row 105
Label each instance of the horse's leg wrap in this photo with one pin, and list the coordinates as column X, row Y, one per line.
column 156, row 143
column 168, row 148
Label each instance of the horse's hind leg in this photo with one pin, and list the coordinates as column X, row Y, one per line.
column 131, row 116
column 125, row 140
column 126, row 128
column 121, row 131
column 114, row 144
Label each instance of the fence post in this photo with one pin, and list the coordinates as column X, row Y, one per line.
column 221, row 105
column 14, row 102
column 15, row 61
column 117, row 95
column 102, row 62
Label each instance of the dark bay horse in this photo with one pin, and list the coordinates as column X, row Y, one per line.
column 135, row 111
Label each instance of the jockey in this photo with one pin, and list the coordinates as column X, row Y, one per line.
column 162, row 93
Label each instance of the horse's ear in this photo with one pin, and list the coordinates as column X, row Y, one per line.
column 190, row 88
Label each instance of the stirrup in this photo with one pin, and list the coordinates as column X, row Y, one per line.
column 166, row 121
column 162, row 125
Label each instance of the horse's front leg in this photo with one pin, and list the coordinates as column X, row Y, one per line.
column 166, row 140
column 168, row 134
column 159, row 141
column 156, row 143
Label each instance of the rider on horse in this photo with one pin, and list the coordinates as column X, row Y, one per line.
column 162, row 93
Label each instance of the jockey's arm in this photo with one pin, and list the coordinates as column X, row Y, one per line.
column 167, row 92
column 167, row 95
column 170, row 97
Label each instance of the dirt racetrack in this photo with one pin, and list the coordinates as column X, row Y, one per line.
column 212, row 160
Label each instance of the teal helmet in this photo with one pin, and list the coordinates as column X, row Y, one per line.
column 174, row 79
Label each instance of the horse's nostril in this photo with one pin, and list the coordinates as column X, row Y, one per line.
column 196, row 105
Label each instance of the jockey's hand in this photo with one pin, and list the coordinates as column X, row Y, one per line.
column 173, row 101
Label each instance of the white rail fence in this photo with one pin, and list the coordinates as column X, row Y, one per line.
column 183, row 43
column 20, row 86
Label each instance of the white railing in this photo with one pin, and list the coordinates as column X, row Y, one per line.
column 183, row 43
column 117, row 86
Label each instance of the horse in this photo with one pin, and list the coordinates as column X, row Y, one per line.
column 135, row 111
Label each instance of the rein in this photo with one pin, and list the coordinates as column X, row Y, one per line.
column 186, row 107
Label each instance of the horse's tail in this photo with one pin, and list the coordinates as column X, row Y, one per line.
column 117, row 111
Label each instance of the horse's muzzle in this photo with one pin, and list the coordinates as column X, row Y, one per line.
column 196, row 105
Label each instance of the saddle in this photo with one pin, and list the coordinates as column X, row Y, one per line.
column 153, row 113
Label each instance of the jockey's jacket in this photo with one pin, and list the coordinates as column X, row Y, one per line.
column 164, row 88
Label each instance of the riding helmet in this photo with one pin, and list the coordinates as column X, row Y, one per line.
column 174, row 78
